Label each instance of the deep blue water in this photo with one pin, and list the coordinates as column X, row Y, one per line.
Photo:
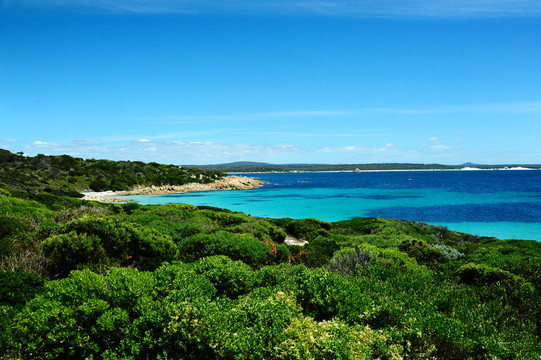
column 504, row 204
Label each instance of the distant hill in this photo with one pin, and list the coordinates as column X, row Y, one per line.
column 248, row 166
column 240, row 163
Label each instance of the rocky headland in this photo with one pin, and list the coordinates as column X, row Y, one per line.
column 226, row 183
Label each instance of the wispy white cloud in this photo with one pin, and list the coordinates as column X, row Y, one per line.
column 360, row 8
column 525, row 107
column 86, row 143
column 177, row 152
column 163, row 136
column 531, row 107
column 302, row 133
column 436, row 145
column 42, row 143
column 299, row 113
column 439, row 147
column 194, row 152
column 208, row 152
column 7, row 143
column 186, row 119
column 358, row 149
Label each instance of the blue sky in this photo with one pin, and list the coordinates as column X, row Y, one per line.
column 203, row 82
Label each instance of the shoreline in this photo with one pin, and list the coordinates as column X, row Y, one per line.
column 226, row 183
column 236, row 182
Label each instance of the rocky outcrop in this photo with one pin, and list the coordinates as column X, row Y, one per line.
column 227, row 183
column 290, row 240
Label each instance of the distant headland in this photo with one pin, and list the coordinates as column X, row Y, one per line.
column 252, row 167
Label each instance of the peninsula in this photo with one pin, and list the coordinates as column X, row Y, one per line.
column 225, row 183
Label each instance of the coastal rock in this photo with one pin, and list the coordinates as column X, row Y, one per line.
column 227, row 183
column 290, row 240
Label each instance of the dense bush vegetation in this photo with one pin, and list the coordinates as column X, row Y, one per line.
column 80, row 279
column 66, row 176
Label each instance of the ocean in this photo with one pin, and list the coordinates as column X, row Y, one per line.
column 502, row 203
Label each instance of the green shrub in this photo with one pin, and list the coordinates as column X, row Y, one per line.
column 358, row 226
column 324, row 295
column 66, row 252
column 214, row 209
column 47, row 228
column 308, row 339
column 57, row 200
column 308, row 229
column 12, row 225
column 169, row 224
column 99, row 185
column 481, row 274
column 281, row 254
column 126, row 243
column 350, row 262
column 178, row 281
column 116, row 208
column 519, row 257
column 27, row 209
column 18, row 287
column 277, row 234
column 271, row 276
column 448, row 253
column 130, row 207
column 257, row 229
column 10, row 228
column 4, row 192
column 81, row 316
column 173, row 328
column 420, row 250
column 388, row 262
column 186, row 230
column 173, row 322
column 231, row 278
column 242, row 247
column 326, row 246
column 514, row 294
column 253, row 326
column 316, row 253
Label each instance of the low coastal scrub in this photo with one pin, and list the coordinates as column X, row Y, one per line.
column 81, row 279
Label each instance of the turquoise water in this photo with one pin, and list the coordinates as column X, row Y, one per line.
column 504, row 204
